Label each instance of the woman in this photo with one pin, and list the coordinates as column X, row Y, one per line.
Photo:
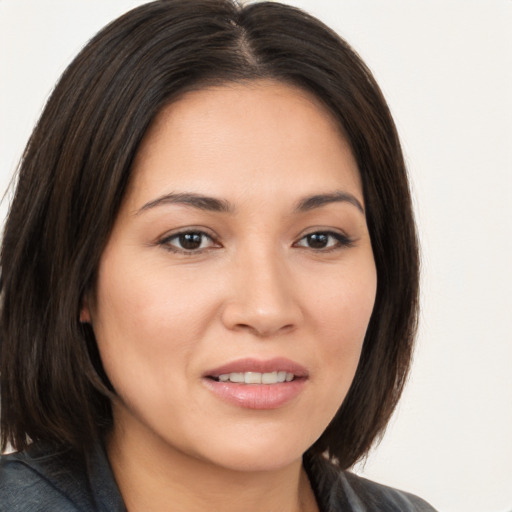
column 209, row 272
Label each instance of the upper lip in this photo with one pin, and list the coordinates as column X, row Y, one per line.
column 259, row 365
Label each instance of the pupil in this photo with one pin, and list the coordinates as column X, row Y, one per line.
column 190, row 240
column 318, row 240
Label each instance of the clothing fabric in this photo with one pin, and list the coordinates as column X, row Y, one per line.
column 43, row 479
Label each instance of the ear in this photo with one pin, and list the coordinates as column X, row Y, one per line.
column 85, row 312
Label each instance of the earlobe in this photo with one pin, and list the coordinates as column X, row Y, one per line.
column 85, row 314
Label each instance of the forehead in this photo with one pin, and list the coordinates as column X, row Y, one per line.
column 252, row 135
column 232, row 98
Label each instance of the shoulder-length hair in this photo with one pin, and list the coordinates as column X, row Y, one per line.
column 75, row 170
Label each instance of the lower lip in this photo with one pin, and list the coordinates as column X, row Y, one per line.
column 257, row 396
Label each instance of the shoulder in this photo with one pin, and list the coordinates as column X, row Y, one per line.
column 380, row 497
column 42, row 479
column 344, row 491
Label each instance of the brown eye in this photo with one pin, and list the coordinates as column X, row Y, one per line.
column 188, row 242
column 317, row 240
column 324, row 240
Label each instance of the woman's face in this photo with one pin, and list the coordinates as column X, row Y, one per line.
column 240, row 253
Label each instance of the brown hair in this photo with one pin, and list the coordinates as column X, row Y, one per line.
column 74, row 173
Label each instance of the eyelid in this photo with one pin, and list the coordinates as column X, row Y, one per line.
column 164, row 241
column 342, row 238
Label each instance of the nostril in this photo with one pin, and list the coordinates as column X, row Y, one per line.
column 262, row 330
column 249, row 312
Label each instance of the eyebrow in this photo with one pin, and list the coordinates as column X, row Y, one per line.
column 319, row 200
column 198, row 201
column 213, row 204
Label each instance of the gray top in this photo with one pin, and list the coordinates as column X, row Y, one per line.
column 43, row 479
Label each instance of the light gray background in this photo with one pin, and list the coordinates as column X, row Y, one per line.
column 446, row 69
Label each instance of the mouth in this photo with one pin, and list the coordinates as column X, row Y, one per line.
column 257, row 384
column 256, row 371
column 275, row 377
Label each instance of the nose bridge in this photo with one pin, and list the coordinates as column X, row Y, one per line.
column 262, row 300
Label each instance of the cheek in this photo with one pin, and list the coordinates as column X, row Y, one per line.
column 147, row 324
column 345, row 303
column 151, row 308
column 342, row 315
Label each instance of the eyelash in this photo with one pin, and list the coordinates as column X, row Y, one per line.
column 341, row 241
column 166, row 242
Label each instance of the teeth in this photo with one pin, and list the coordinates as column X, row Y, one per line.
column 269, row 378
column 281, row 376
column 252, row 377
column 257, row 378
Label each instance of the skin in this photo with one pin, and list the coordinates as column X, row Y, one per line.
column 255, row 287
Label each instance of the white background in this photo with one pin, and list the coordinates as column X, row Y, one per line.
column 446, row 69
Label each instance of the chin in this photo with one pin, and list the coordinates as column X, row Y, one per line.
column 257, row 462
column 256, row 453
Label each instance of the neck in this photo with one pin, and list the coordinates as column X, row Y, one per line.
column 152, row 476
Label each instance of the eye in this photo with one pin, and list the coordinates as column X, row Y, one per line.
column 188, row 242
column 324, row 240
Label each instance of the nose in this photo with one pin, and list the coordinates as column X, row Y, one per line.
column 262, row 299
